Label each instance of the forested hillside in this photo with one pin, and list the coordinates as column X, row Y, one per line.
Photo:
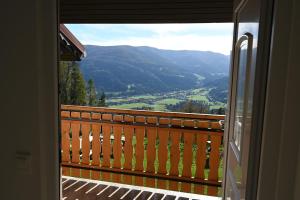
column 140, row 70
column 147, row 78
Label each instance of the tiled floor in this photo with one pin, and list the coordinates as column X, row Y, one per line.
column 85, row 189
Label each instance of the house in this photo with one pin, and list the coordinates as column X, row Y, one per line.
column 29, row 103
column 70, row 47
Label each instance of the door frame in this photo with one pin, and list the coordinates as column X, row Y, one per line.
column 280, row 156
column 261, row 75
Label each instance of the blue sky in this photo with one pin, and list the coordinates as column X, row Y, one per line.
column 205, row 37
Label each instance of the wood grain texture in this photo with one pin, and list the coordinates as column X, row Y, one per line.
column 139, row 180
column 145, row 174
column 106, row 147
column 143, row 112
column 214, row 158
column 117, row 146
column 85, row 129
column 175, row 152
column 150, row 182
column 75, row 114
column 212, row 191
column 187, row 154
column 116, row 178
column 95, row 175
column 162, row 184
column 85, row 115
column 75, row 127
column 139, row 149
column 85, row 173
column 163, row 135
column 65, row 140
column 151, row 152
column 106, row 176
column 107, row 140
column 185, row 129
column 118, row 118
column 199, row 189
column 186, row 187
column 65, row 114
column 96, row 145
column 127, row 179
column 176, row 122
column 128, row 149
column 173, row 185
column 87, row 190
column 189, row 123
column 75, row 172
column 202, row 124
column 66, row 171
column 201, row 155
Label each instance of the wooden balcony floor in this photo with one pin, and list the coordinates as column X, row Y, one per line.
column 85, row 189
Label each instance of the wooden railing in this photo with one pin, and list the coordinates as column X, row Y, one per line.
column 175, row 146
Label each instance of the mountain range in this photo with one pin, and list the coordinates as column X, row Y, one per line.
column 138, row 70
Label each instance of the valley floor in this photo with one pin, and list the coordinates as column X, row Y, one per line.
column 163, row 101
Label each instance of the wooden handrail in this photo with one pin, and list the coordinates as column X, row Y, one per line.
column 142, row 112
column 96, row 138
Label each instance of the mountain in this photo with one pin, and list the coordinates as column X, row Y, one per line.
column 144, row 69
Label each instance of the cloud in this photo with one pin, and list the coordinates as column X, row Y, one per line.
column 204, row 37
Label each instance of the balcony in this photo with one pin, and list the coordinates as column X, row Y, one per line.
column 169, row 151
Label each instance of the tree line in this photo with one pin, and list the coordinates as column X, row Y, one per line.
column 74, row 90
column 191, row 106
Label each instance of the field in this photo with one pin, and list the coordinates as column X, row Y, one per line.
column 160, row 101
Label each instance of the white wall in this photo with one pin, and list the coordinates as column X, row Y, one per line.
column 281, row 138
column 28, row 101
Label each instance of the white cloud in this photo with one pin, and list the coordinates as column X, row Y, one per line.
column 161, row 29
column 204, row 37
column 220, row 44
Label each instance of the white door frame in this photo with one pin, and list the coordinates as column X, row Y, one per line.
column 263, row 46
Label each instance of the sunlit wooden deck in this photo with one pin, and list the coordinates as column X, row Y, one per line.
column 85, row 189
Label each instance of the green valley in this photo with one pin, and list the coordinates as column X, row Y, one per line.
column 163, row 101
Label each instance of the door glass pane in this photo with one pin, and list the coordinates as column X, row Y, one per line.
column 240, row 95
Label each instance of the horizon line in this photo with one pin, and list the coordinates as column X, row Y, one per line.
column 157, row 48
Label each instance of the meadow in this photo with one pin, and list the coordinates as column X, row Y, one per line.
column 160, row 101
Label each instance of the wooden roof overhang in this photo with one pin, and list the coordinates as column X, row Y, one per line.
column 70, row 47
column 146, row 11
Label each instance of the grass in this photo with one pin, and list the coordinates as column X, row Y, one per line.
column 159, row 107
column 116, row 100
column 130, row 105
column 144, row 97
column 171, row 101
column 159, row 101
column 198, row 98
column 168, row 163
column 217, row 105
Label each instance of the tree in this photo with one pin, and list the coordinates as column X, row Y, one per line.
column 101, row 101
column 77, row 89
column 194, row 107
column 221, row 111
column 73, row 88
column 64, row 82
column 91, row 93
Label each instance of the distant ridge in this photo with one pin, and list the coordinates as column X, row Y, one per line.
column 144, row 69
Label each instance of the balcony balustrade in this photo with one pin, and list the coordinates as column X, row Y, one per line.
column 180, row 147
